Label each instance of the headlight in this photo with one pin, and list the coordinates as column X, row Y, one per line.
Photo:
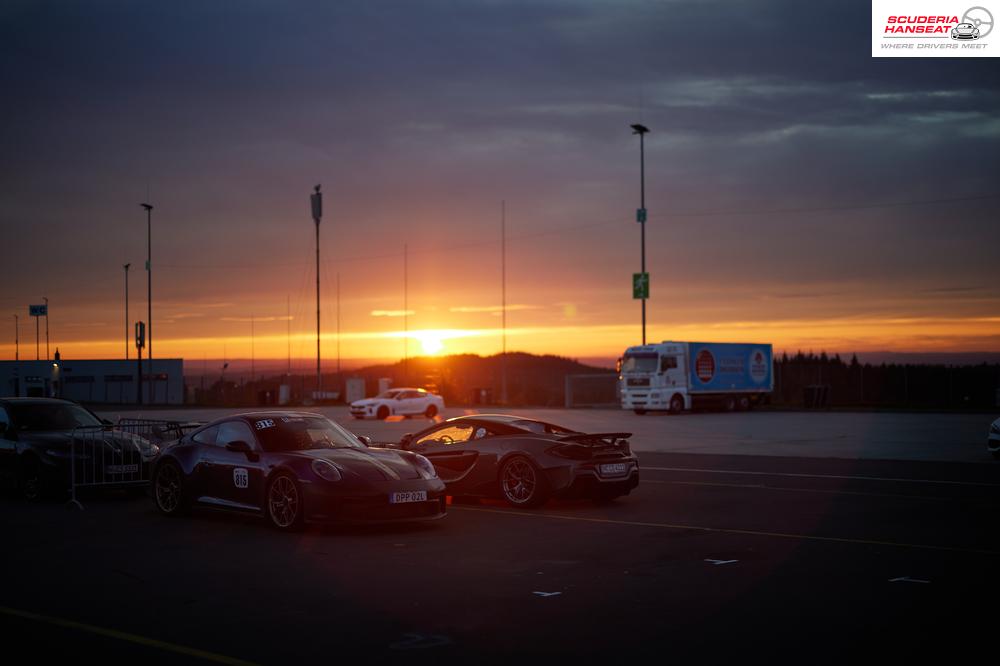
column 425, row 467
column 326, row 470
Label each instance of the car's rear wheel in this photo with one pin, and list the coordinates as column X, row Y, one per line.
column 522, row 484
column 431, row 411
column 168, row 489
column 284, row 503
column 383, row 413
column 744, row 403
column 729, row 403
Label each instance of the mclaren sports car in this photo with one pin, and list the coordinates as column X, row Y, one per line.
column 525, row 461
column 291, row 468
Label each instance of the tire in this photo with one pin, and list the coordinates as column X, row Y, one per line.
column 639, row 412
column 168, row 489
column 383, row 413
column 522, row 484
column 31, row 481
column 729, row 403
column 996, row 455
column 676, row 404
column 283, row 503
column 743, row 403
column 431, row 411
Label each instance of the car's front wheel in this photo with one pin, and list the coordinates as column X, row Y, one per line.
column 284, row 503
column 383, row 413
column 168, row 489
column 522, row 484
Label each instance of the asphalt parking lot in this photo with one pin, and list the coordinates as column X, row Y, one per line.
column 712, row 558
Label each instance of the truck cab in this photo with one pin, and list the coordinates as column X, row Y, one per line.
column 654, row 377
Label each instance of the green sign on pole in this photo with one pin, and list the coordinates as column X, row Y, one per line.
column 640, row 285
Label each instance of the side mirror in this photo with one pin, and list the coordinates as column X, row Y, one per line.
column 367, row 441
column 239, row 446
column 406, row 440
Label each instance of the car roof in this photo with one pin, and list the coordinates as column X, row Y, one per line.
column 406, row 388
column 496, row 418
column 36, row 401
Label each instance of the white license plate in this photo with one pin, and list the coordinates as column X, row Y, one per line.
column 411, row 496
column 613, row 469
column 121, row 469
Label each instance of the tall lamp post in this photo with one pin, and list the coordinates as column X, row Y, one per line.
column 149, row 296
column 316, row 199
column 640, row 285
column 126, row 267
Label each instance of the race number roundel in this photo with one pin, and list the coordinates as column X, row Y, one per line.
column 704, row 366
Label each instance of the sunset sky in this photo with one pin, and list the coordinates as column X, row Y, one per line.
column 799, row 191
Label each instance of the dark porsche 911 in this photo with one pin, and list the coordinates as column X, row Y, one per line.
column 294, row 467
column 525, row 461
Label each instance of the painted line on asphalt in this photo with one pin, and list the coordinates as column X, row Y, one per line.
column 760, row 486
column 819, row 476
column 727, row 530
column 127, row 637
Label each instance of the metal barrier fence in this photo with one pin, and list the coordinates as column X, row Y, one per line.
column 117, row 456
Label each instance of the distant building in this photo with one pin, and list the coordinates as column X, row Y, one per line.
column 106, row 381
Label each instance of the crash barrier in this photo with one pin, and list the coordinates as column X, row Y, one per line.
column 117, row 455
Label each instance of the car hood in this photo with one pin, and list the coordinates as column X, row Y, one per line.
column 370, row 464
column 366, row 402
column 61, row 440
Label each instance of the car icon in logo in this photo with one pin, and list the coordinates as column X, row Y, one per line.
column 965, row 31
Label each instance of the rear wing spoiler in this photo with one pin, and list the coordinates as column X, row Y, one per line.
column 583, row 436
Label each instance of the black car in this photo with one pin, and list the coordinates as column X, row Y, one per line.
column 40, row 436
column 291, row 468
column 526, row 461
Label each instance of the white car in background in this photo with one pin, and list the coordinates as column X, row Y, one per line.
column 398, row 402
column 993, row 439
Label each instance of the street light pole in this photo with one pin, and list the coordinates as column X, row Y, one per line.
column 47, row 357
column 641, row 130
column 316, row 199
column 149, row 296
column 126, row 267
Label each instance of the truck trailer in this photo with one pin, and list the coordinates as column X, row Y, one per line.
column 679, row 376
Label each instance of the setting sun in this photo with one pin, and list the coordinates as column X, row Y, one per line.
column 431, row 342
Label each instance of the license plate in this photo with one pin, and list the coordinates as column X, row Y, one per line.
column 411, row 496
column 121, row 469
column 613, row 469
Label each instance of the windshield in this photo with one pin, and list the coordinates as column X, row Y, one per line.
column 51, row 416
column 301, row 433
column 389, row 394
column 642, row 362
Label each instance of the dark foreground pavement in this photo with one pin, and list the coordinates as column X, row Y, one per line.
column 713, row 559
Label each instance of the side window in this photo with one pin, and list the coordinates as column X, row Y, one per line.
column 482, row 433
column 455, row 434
column 206, row 436
column 235, row 431
column 668, row 363
column 4, row 419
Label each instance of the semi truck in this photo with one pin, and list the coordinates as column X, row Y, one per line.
column 679, row 376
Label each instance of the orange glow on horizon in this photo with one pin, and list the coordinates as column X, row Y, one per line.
column 843, row 335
